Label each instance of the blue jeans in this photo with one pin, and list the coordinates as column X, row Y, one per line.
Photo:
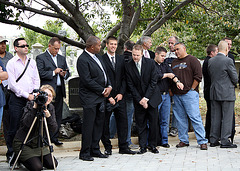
column 112, row 126
column 1, row 114
column 188, row 104
column 130, row 111
column 164, row 113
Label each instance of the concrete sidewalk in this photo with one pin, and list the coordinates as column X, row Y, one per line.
column 188, row 158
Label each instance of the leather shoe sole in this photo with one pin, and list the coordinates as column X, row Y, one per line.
column 182, row 144
column 58, row 142
column 127, row 151
column 165, row 145
column 214, row 144
column 108, row 152
column 142, row 151
column 86, row 158
column 154, row 150
column 228, row 146
column 100, row 155
column 203, row 146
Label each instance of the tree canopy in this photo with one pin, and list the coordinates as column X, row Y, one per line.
column 197, row 22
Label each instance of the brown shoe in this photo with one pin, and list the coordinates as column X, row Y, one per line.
column 182, row 144
column 203, row 146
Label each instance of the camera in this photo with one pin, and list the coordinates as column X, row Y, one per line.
column 41, row 97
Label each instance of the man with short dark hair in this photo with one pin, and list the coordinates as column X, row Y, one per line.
column 165, row 75
column 146, row 43
column 53, row 69
column 21, row 87
column 115, row 67
column 142, row 82
column 186, row 101
column 212, row 51
column 94, row 87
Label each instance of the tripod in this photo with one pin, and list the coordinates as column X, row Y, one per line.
column 42, row 120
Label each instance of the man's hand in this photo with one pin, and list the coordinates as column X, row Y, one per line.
column 143, row 102
column 107, row 91
column 58, row 70
column 31, row 97
column 63, row 73
column 180, row 85
column 1, row 70
column 112, row 101
column 119, row 97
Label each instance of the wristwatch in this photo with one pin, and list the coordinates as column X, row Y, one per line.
column 178, row 81
column 192, row 89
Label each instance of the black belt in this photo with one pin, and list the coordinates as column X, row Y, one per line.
column 164, row 93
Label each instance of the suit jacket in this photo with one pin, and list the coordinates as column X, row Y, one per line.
column 152, row 54
column 117, row 76
column 46, row 66
column 144, row 85
column 223, row 76
column 206, row 78
column 92, row 81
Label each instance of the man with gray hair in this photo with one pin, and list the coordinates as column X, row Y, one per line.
column 146, row 43
column 224, row 77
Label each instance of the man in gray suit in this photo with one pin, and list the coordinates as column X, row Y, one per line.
column 222, row 95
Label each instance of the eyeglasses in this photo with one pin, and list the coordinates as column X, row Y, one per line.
column 23, row 46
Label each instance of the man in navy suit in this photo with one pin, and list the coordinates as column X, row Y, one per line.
column 115, row 66
column 53, row 69
column 142, row 82
column 94, row 87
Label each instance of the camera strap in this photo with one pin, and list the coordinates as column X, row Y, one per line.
column 23, row 70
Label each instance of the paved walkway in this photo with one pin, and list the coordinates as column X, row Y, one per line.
column 188, row 158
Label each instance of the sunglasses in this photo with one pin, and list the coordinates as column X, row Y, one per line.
column 23, row 46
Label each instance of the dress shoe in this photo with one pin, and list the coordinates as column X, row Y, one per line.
column 228, row 145
column 203, row 146
column 100, row 155
column 214, row 144
column 86, row 158
column 126, row 151
column 108, row 152
column 154, row 150
column 142, row 151
column 56, row 142
column 182, row 144
column 165, row 145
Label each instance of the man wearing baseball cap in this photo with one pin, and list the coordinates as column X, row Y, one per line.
column 4, row 55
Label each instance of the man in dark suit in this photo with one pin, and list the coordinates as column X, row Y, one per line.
column 212, row 51
column 224, row 77
column 146, row 43
column 94, row 87
column 115, row 67
column 53, row 69
column 142, row 82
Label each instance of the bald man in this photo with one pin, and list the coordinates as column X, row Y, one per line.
column 94, row 87
column 224, row 77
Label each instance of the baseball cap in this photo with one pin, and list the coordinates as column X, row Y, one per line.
column 3, row 39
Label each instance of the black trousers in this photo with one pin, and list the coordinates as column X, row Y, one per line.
column 142, row 116
column 16, row 105
column 208, row 120
column 93, row 120
column 58, row 104
column 122, row 127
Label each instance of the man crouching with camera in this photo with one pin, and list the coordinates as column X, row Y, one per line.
column 31, row 153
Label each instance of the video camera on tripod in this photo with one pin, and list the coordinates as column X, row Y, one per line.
column 40, row 97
